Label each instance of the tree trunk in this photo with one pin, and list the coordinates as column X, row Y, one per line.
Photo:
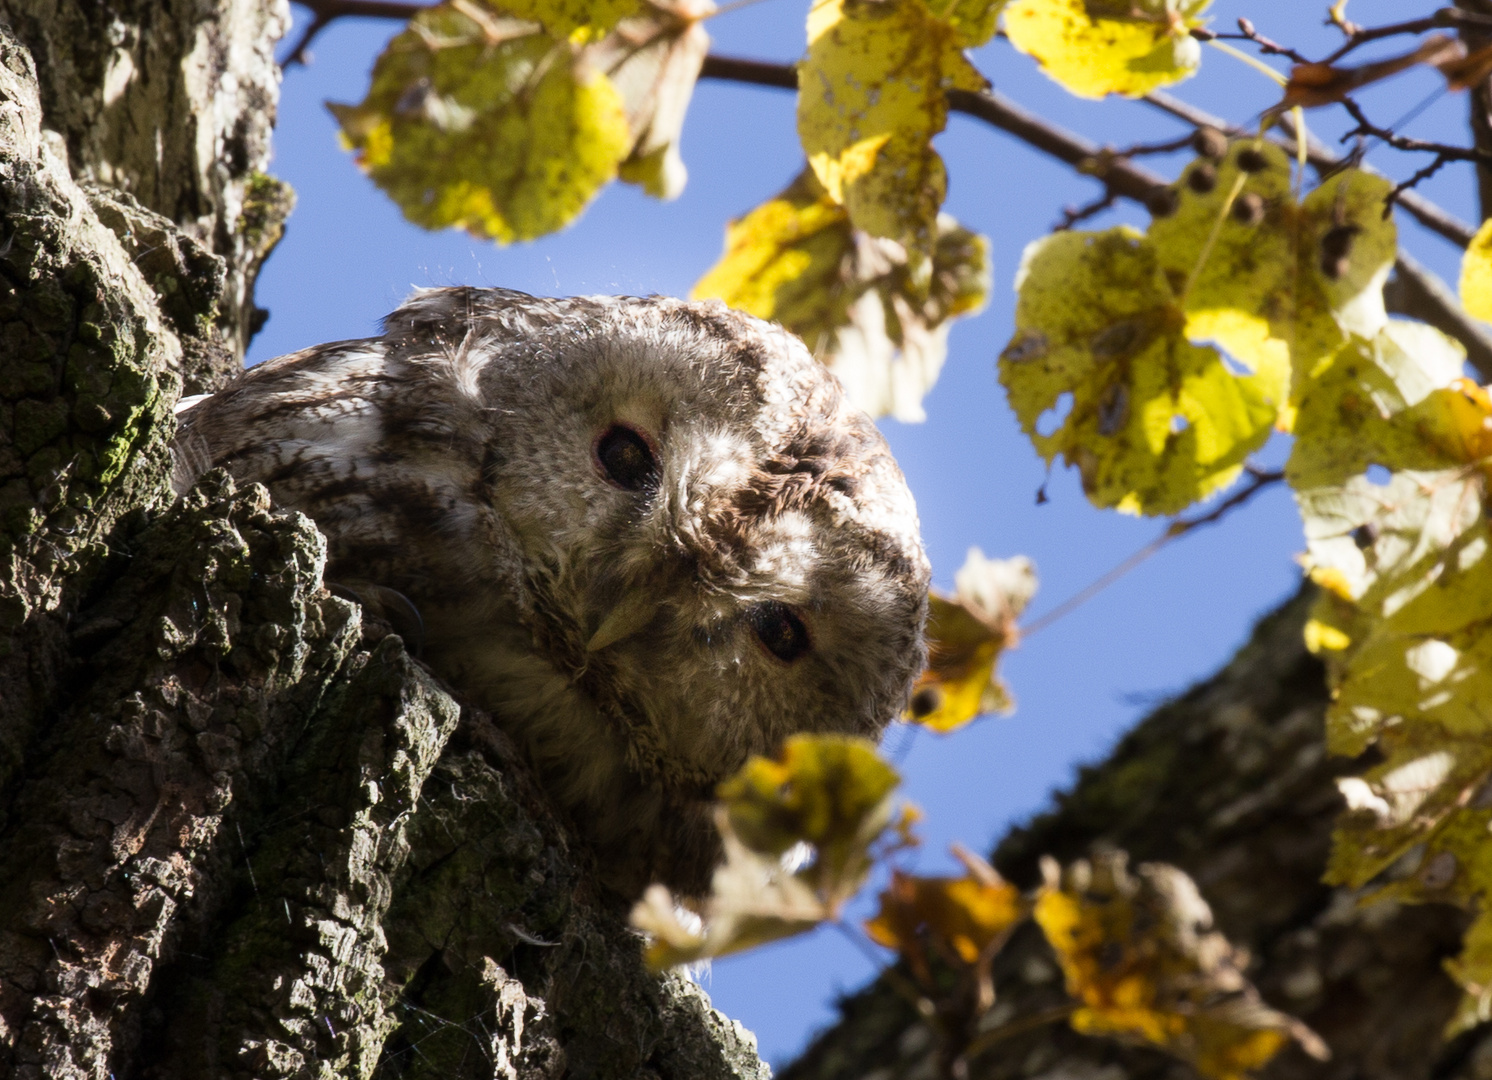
column 1230, row 782
column 242, row 832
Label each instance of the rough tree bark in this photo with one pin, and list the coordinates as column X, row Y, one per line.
column 242, row 832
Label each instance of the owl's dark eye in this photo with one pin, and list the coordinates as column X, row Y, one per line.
column 780, row 630
column 626, row 458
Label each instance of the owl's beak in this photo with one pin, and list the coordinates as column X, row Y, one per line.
column 633, row 612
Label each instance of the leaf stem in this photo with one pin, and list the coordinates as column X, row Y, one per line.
column 1252, row 61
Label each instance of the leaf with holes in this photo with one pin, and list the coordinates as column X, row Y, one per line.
column 1278, row 285
column 487, row 123
column 1155, row 423
column 966, row 633
column 1099, row 47
column 872, row 94
column 797, row 260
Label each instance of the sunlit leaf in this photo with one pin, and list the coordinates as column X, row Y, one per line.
column 754, row 898
column 827, row 795
column 1141, row 957
column 963, row 920
column 583, row 19
column 966, row 634
column 872, row 94
column 1099, row 47
column 654, row 62
column 487, row 123
column 1476, row 274
column 1152, row 422
column 1272, row 282
column 796, row 259
column 830, row 791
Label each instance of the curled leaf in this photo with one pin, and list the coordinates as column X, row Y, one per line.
column 1141, row 957
column 962, row 921
column 654, row 60
column 832, row 792
column 966, row 635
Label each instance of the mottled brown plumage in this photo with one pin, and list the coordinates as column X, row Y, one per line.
column 650, row 536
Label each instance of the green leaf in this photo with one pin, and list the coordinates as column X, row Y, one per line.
column 1155, row 422
column 486, row 123
column 872, row 94
column 1283, row 284
column 585, row 20
column 796, row 259
column 1099, row 47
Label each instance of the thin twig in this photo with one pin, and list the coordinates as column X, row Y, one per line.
column 1445, row 18
column 325, row 12
column 1266, row 46
column 1400, row 142
column 1261, row 479
column 1016, row 1027
column 1403, row 187
column 1071, row 215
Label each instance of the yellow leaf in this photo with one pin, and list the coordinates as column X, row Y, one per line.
column 1141, row 957
column 964, row 920
column 487, row 124
column 1476, row 274
column 753, row 899
column 872, row 94
column 973, row 21
column 830, row 791
column 1098, row 47
column 966, row 634
column 796, row 259
column 1153, row 422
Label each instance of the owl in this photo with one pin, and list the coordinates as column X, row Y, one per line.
column 650, row 537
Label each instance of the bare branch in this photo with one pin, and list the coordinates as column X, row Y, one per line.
column 1266, row 46
column 1400, row 142
column 1073, row 214
column 325, row 12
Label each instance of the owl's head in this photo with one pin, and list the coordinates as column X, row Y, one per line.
column 652, row 537
column 714, row 543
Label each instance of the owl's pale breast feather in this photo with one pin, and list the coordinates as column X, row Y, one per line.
column 650, row 536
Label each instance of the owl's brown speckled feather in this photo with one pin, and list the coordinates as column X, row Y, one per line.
column 643, row 622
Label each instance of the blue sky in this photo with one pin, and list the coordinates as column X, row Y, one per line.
column 348, row 258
